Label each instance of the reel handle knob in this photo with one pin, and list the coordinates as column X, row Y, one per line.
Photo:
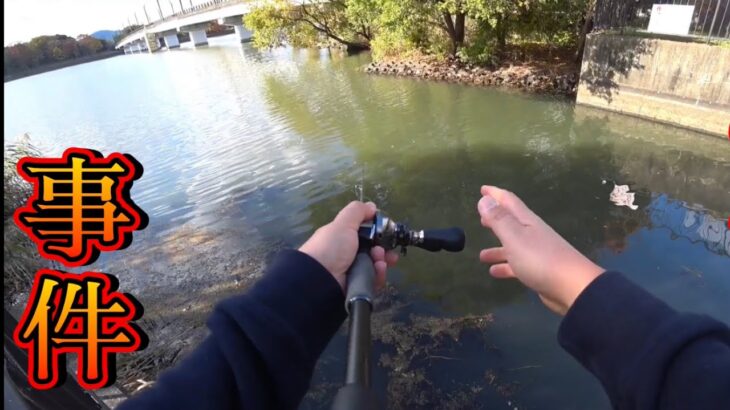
column 450, row 239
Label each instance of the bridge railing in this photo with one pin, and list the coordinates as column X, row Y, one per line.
column 195, row 9
column 710, row 18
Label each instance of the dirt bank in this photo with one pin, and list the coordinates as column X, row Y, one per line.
column 178, row 279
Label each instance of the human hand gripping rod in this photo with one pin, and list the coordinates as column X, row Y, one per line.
column 382, row 231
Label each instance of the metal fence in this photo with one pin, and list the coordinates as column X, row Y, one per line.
column 155, row 11
column 710, row 19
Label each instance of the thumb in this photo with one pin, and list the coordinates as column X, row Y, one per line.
column 497, row 217
column 355, row 213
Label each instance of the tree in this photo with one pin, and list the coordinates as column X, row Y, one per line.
column 44, row 48
column 70, row 49
column 453, row 13
column 38, row 48
column 470, row 30
column 218, row 29
column 57, row 53
column 89, row 45
column 402, row 28
column 18, row 57
column 48, row 49
column 586, row 27
column 275, row 22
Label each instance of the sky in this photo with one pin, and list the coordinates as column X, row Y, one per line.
column 25, row 19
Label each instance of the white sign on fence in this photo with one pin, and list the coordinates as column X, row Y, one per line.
column 670, row 19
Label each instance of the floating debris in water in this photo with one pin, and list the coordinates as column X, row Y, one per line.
column 621, row 196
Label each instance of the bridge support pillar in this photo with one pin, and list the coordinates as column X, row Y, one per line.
column 151, row 42
column 199, row 38
column 243, row 34
column 197, row 33
column 171, row 40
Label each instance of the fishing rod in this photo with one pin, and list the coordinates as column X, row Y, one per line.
column 382, row 231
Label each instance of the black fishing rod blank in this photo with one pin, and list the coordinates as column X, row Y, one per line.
column 383, row 231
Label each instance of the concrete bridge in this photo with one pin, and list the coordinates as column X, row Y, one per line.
column 193, row 20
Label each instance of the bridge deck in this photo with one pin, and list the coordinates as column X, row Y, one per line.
column 216, row 10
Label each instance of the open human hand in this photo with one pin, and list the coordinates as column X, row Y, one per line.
column 532, row 251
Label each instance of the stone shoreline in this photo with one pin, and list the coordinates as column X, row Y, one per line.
column 520, row 76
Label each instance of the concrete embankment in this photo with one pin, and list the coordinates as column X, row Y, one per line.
column 682, row 83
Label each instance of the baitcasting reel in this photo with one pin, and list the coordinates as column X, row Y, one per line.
column 389, row 234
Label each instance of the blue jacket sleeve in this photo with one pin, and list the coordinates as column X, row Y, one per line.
column 646, row 355
column 262, row 347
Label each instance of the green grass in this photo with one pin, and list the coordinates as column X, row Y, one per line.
column 21, row 255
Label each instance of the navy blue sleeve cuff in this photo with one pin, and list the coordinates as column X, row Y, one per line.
column 287, row 319
column 263, row 344
column 628, row 338
column 611, row 315
column 296, row 292
column 301, row 290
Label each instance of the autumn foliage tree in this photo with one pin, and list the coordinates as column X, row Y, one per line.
column 49, row 49
column 89, row 45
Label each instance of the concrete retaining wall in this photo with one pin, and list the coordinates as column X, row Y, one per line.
column 681, row 83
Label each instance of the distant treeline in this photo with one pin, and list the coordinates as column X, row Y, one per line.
column 45, row 53
column 46, row 50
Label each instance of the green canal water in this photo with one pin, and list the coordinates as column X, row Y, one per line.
column 254, row 150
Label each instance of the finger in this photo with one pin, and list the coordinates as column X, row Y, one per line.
column 355, row 213
column 508, row 200
column 492, row 190
column 379, row 256
column 497, row 217
column 502, row 271
column 377, row 253
column 380, row 271
column 493, row 255
column 391, row 258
